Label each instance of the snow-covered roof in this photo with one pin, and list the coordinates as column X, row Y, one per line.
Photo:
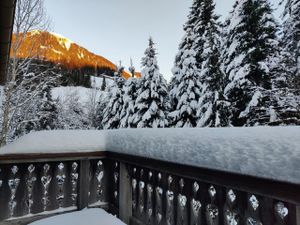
column 267, row 152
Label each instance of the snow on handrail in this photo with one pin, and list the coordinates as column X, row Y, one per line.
column 265, row 152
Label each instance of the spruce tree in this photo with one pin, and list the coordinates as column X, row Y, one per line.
column 127, row 114
column 111, row 117
column 250, row 40
column 212, row 110
column 103, row 85
column 150, row 106
column 291, row 42
column 48, row 112
column 131, row 69
column 103, row 101
column 185, row 86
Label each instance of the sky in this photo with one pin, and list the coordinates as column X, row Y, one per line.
column 119, row 29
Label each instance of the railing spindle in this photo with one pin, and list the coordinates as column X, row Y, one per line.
column 159, row 200
column 30, row 181
column 170, row 212
column 134, row 183
column 99, row 176
column 196, row 206
column 46, row 179
column 150, row 202
column 182, row 205
column 212, row 210
column 60, row 179
column 231, row 209
column 281, row 213
column 74, row 183
column 13, row 184
column 253, row 210
column 84, row 184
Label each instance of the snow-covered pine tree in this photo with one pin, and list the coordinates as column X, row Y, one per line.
column 111, row 117
column 185, row 86
column 151, row 105
column 103, row 85
column 131, row 69
column 250, row 40
column 281, row 107
column 127, row 114
column 48, row 113
column 212, row 105
column 101, row 106
column 194, row 16
column 130, row 89
column 291, row 42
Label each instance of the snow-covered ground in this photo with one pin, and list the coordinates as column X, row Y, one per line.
column 84, row 217
column 84, row 94
column 266, row 152
column 96, row 82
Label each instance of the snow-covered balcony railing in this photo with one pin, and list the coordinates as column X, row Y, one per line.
column 156, row 176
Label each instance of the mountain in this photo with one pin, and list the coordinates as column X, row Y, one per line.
column 54, row 48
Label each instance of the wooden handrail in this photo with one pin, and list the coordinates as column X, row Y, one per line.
column 49, row 157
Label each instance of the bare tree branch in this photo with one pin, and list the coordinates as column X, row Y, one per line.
column 29, row 15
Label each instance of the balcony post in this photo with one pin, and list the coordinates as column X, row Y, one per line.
column 298, row 214
column 84, row 184
column 125, row 194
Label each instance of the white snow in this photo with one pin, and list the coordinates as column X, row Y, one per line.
column 236, row 19
column 47, row 213
column 34, row 32
column 84, row 217
column 82, row 93
column 64, row 42
column 58, row 52
column 96, row 82
column 80, row 55
column 267, row 152
column 62, row 141
column 273, row 116
column 254, row 102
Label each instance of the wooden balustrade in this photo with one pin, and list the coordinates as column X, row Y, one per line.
column 140, row 191
column 39, row 186
column 172, row 194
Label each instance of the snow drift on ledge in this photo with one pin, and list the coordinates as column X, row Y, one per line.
column 87, row 216
column 267, row 152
